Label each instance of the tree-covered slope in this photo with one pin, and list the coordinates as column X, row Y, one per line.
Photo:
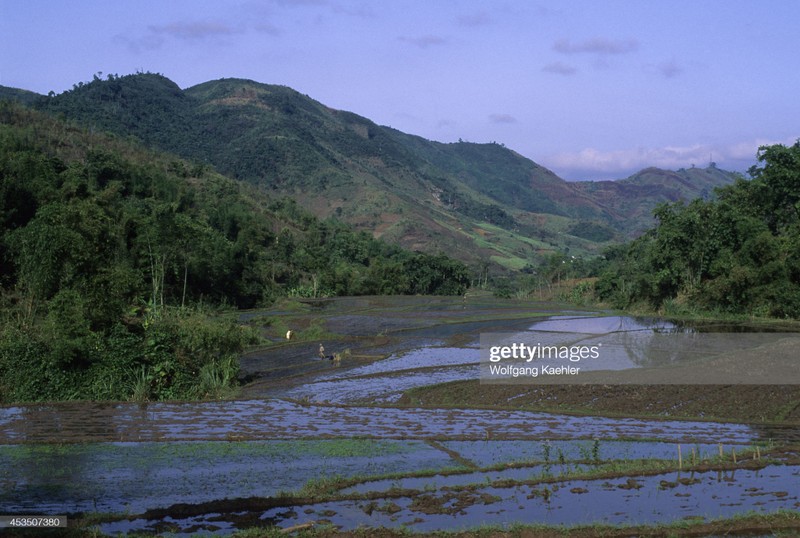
column 737, row 253
column 480, row 202
column 109, row 250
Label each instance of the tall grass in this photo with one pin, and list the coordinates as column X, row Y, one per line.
column 140, row 386
column 218, row 379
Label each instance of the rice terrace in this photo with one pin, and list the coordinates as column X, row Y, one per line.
column 402, row 437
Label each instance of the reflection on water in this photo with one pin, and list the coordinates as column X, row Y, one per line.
column 279, row 419
column 378, row 388
column 627, row 343
column 386, row 380
column 135, row 477
column 132, row 457
column 8, row 415
column 622, row 342
column 663, row 498
column 490, row 453
column 605, row 325
column 418, row 358
column 541, row 458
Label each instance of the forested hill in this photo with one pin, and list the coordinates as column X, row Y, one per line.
column 482, row 202
column 736, row 254
column 109, row 252
column 230, row 241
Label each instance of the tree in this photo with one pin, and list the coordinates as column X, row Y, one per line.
column 779, row 179
column 737, row 253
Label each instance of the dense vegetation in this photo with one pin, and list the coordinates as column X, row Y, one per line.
column 414, row 192
column 115, row 260
column 265, row 134
column 739, row 253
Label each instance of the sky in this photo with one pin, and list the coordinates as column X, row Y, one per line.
column 593, row 90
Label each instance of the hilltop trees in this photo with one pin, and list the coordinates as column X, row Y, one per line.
column 739, row 253
column 111, row 257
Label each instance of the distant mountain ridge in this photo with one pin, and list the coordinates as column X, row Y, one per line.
column 636, row 196
column 482, row 203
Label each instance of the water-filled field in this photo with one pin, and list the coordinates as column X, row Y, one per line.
column 311, row 441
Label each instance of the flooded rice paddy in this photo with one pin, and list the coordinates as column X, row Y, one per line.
column 135, row 477
column 315, row 443
column 282, row 419
column 642, row 500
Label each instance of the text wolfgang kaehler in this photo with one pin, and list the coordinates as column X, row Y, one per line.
column 524, row 352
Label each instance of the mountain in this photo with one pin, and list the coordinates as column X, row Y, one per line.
column 80, row 208
column 480, row 202
column 634, row 199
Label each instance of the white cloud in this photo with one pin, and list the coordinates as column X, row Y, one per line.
column 266, row 28
column 300, row 3
column 596, row 45
column 425, row 41
column 749, row 148
column 363, row 11
column 502, row 118
column 670, row 69
column 626, row 159
column 136, row 45
column 194, row 29
column 559, row 68
column 591, row 163
column 477, row 19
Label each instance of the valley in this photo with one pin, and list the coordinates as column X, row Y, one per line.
column 481, row 202
column 356, row 447
column 232, row 309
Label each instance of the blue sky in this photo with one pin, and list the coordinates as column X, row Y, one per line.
column 590, row 89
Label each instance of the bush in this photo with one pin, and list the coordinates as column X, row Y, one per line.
column 183, row 346
column 179, row 354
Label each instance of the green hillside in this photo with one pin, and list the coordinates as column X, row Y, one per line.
column 634, row 199
column 479, row 202
column 114, row 256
